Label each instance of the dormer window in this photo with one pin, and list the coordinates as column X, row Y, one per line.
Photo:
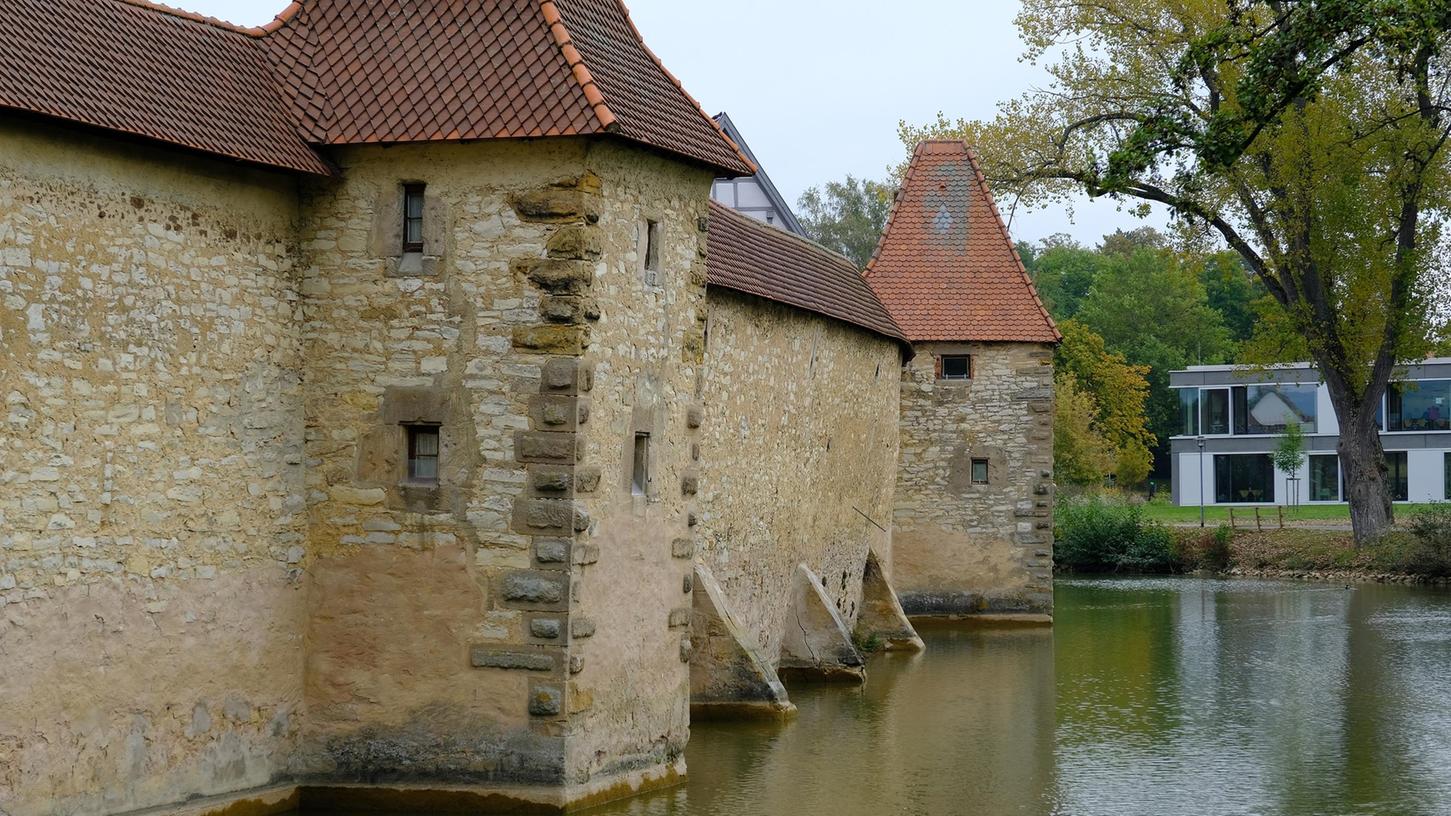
column 413, row 217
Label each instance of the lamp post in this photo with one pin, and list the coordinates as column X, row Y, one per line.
column 1200, row 440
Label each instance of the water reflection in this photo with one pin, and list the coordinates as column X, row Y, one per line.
column 1172, row 696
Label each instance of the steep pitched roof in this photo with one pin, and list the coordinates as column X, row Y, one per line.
column 748, row 256
column 332, row 72
column 778, row 202
column 148, row 72
column 946, row 267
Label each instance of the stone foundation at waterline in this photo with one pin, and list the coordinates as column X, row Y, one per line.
column 961, row 545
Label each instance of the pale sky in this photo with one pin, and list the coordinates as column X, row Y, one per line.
column 817, row 86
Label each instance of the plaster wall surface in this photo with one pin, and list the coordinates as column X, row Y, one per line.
column 961, row 547
column 152, row 593
column 800, row 448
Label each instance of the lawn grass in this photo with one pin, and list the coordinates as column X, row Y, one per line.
column 1244, row 514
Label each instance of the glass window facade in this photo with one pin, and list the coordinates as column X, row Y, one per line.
column 1268, row 409
column 1422, row 405
column 1244, row 478
column 1189, row 411
column 1398, row 475
column 1214, row 402
column 1325, row 478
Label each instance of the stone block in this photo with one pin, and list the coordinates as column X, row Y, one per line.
column 678, row 618
column 546, row 628
column 575, row 242
column 581, row 627
column 545, row 699
column 569, row 309
column 682, row 548
column 551, row 339
column 694, row 417
column 555, row 205
column 490, row 657
column 551, row 550
column 551, row 480
column 586, row 554
column 550, row 517
column 535, row 589
column 690, row 483
column 545, row 447
column 555, row 276
column 554, row 412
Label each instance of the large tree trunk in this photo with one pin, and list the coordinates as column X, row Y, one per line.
column 1362, row 459
column 1366, row 486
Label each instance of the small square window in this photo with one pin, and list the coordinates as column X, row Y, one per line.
column 640, row 481
column 652, row 253
column 955, row 367
column 423, row 450
column 413, row 217
column 979, row 471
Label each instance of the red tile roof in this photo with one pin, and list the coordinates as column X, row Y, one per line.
column 151, row 73
column 332, row 72
column 749, row 256
column 946, row 267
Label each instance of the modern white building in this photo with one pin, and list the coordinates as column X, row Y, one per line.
column 1240, row 418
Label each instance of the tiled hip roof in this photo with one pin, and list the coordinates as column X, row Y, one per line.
column 748, row 256
column 946, row 267
column 332, row 72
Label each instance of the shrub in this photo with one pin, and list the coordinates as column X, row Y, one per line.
column 1094, row 534
column 1429, row 550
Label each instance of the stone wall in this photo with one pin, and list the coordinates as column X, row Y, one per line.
column 800, row 445
column 961, row 547
column 151, row 475
column 512, row 625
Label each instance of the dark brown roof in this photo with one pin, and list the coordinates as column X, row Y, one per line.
column 333, row 72
column 762, row 260
column 946, row 267
column 137, row 70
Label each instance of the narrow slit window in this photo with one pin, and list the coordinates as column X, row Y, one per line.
column 640, row 481
column 652, row 252
column 413, row 217
column 979, row 471
column 423, row 453
column 956, row 367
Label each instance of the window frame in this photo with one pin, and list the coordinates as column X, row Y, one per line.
column 650, row 256
column 413, row 432
column 942, row 367
column 640, row 465
column 414, row 191
column 986, row 471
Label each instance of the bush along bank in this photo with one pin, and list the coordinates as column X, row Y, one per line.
column 1101, row 534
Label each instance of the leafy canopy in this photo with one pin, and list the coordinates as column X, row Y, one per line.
column 847, row 216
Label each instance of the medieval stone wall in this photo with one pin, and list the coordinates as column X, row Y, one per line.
column 151, row 475
column 960, row 547
column 511, row 625
column 800, row 445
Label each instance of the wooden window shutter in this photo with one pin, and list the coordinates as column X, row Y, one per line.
column 937, row 366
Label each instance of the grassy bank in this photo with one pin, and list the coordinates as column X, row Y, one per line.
column 1117, row 534
column 1244, row 515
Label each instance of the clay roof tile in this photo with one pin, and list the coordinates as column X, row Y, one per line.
column 946, row 267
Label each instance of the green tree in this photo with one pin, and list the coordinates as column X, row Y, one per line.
column 1289, row 453
column 1082, row 455
column 1063, row 273
column 847, row 216
column 1148, row 307
column 1118, row 390
column 1307, row 135
column 1232, row 290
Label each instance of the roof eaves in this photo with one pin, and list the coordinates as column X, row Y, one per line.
column 747, row 167
column 578, row 69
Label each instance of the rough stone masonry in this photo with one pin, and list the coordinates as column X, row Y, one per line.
column 357, row 446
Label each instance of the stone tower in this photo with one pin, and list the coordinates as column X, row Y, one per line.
column 972, row 527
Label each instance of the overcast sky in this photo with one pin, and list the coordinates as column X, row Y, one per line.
column 817, row 87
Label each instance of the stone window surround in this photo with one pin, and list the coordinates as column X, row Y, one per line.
column 651, row 277
column 388, row 240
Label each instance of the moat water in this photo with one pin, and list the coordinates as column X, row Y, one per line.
column 1149, row 696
